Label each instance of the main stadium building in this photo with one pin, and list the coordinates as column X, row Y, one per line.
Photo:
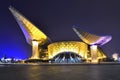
column 61, row 52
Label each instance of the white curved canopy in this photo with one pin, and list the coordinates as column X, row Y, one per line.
column 92, row 39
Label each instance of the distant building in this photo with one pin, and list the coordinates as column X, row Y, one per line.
column 115, row 56
column 88, row 50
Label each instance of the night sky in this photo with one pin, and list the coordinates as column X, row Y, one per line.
column 56, row 19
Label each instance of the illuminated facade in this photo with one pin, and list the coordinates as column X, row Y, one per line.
column 37, row 38
column 79, row 48
column 33, row 35
column 94, row 41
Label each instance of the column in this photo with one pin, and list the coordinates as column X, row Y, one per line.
column 94, row 57
column 35, row 50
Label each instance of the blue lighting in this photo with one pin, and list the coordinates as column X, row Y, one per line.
column 12, row 51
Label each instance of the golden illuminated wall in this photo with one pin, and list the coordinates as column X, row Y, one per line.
column 94, row 56
column 67, row 46
column 33, row 35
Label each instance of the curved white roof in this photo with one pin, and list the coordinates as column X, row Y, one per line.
column 92, row 39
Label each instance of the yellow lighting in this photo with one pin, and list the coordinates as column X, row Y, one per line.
column 33, row 35
column 35, row 43
column 36, row 37
column 35, row 52
column 79, row 48
column 94, row 47
column 94, row 54
column 30, row 31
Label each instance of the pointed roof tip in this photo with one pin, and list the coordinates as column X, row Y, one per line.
column 75, row 26
column 10, row 7
column 13, row 10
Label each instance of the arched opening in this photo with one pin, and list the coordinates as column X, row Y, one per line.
column 67, row 57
